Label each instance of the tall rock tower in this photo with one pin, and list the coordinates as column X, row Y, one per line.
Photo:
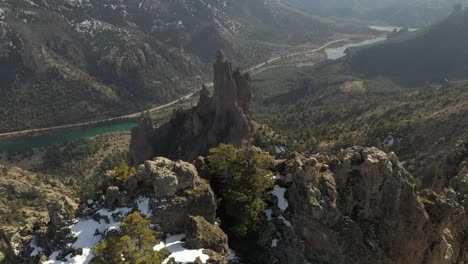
column 223, row 118
column 225, row 91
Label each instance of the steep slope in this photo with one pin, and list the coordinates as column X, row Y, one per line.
column 69, row 61
column 432, row 54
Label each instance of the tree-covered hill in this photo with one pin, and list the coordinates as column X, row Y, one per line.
column 434, row 54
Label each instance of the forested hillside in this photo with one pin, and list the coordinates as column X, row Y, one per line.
column 434, row 54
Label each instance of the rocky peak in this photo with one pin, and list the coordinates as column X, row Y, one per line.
column 223, row 118
column 225, row 91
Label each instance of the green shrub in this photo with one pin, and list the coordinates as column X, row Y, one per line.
column 123, row 171
column 241, row 176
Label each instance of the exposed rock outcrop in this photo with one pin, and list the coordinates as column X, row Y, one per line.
column 57, row 234
column 223, row 118
column 202, row 234
column 362, row 207
column 177, row 193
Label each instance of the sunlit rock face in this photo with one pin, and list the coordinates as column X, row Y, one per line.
column 223, row 118
column 360, row 206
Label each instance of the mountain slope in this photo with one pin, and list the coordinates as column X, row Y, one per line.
column 413, row 13
column 69, row 61
column 433, row 54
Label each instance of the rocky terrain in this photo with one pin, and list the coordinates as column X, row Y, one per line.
column 362, row 206
column 23, row 205
column 170, row 194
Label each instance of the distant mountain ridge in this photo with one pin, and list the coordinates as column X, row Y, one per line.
column 405, row 13
column 434, row 54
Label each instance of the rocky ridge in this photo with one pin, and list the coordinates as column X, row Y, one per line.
column 362, row 206
column 359, row 206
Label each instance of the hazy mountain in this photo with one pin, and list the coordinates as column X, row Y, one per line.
column 412, row 13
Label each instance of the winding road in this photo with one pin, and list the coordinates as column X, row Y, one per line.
column 295, row 54
column 138, row 114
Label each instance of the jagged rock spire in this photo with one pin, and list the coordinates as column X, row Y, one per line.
column 225, row 94
column 223, row 118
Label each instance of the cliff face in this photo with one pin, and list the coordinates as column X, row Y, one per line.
column 223, row 118
column 361, row 207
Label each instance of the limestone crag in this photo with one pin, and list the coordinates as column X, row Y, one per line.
column 362, row 206
column 223, row 118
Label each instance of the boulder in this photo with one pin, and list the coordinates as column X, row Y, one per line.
column 202, row 234
column 173, row 213
column 112, row 192
column 164, row 176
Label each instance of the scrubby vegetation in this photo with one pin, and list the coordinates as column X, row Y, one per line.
column 241, row 177
column 123, row 171
column 327, row 107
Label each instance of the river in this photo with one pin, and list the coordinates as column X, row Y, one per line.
column 37, row 142
column 338, row 52
column 332, row 54
column 20, row 144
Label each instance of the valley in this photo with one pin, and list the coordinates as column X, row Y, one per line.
column 43, row 137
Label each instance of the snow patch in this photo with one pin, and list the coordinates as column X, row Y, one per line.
column 89, row 231
column 143, row 206
column 274, row 242
column 389, row 141
column 286, row 221
column 279, row 193
column 232, row 256
column 180, row 254
column 277, row 176
column 36, row 248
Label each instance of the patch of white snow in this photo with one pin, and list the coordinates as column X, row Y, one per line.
column 279, row 193
column 180, row 254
